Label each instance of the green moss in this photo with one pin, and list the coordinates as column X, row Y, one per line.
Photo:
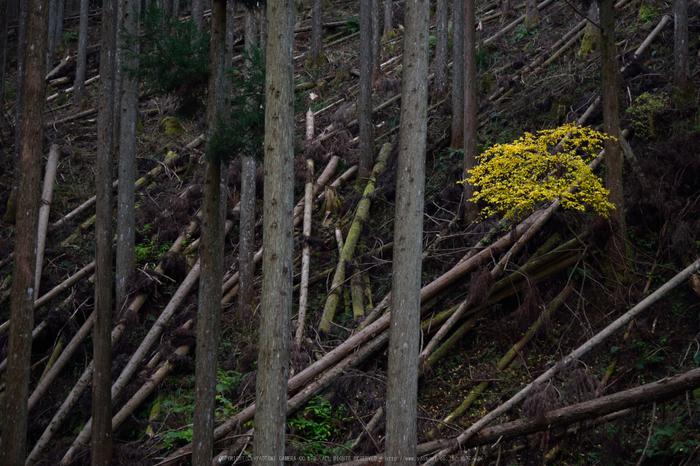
column 172, row 126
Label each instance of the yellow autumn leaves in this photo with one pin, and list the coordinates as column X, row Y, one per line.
column 551, row 164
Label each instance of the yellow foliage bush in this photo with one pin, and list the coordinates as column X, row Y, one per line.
column 513, row 178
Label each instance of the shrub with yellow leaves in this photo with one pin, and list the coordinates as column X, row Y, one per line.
column 549, row 165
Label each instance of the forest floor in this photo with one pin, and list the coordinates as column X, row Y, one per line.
column 662, row 189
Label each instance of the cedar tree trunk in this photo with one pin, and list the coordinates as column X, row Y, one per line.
column 470, row 107
column 457, row 139
column 278, row 237
column 404, row 340
column 101, row 446
column 126, row 257
column 365, row 96
column 79, row 84
column 211, row 257
column 613, row 156
column 441, row 17
column 13, row 448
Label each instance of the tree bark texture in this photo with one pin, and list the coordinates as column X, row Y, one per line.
column 388, row 18
column 246, row 267
column 51, row 38
column 11, row 211
column 4, row 13
column 611, row 117
column 211, row 257
column 101, row 447
column 126, row 257
column 278, row 237
column 316, row 32
column 376, row 39
column 682, row 83
column 440, row 67
column 470, row 107
column 457, row 138
column 198, row 14
column 365, row 96
column 246, row 251
column 81, row 61
column 404, row 340
column 13, row 448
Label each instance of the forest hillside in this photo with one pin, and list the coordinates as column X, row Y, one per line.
column 592, row 308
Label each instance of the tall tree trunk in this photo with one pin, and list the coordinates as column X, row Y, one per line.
column 470, row 108
column 101, row 447
column 365, row 96
column 198, row 14
column 81, row 64
column 4, row 20
column 246, row 249
column 126, row 256
column 441, row 18
column 683, row 88
column 176, row 9
column 457, row 139
column 210, row 253
column 613, row 156
column 251, row 29
column 376, row 56
column 278, row 237
column 230, row 39
column 404, row 340
column 388, row 18
column 60, row 12
column 11, row 211
column 51, row 39
column 263, row 27
column 532, row 15
column 13, row 448
column 316, row 52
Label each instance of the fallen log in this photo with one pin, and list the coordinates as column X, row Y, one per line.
column 576, row 354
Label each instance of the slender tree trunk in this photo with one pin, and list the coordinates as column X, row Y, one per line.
column 278, row 238
column 316, row 51
column 263, row 27
column 404, row 340
column 198, row 14
column 470, row 107
column 440, row 69
column 532, row 15
column 230, row 38
column 251, row 29
column 126, row 256
column 246, row 250
column 101, row 447
column 79, row 84
column 211, row 257
column 60, row 12
column 457, row 139
column 376, row 56
column 51, row 40
column 683, row 88
column 11, row 211
column 365, row 96
column 613, row 155
column 13, row 446
column 388, row 18
column 5, row 13
column 176, row 9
